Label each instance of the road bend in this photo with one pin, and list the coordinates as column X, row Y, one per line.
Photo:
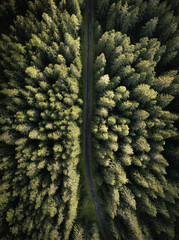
column 87, row 120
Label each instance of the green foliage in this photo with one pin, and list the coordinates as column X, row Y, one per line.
column 131, row 126
column 41, row 113
column 134, row 118
column 139, row 18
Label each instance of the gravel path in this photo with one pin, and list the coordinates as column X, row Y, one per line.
column 87, row 121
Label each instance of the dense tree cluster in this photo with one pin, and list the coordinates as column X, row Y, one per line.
column 40, row 121
column 86, row 231
column 134, row 123
column 136, row 82
column 9, row 10
column 139, row 18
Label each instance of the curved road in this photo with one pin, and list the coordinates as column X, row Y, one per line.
column 87, row 120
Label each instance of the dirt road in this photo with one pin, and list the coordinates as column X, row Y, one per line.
column 87, row 120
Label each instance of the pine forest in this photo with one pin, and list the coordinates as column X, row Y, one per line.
column 89, row 99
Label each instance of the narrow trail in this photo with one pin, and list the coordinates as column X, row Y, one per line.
column 87, row 120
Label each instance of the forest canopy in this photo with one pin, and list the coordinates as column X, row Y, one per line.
column 44, row 192
column 40, row 117
column 134, row 128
